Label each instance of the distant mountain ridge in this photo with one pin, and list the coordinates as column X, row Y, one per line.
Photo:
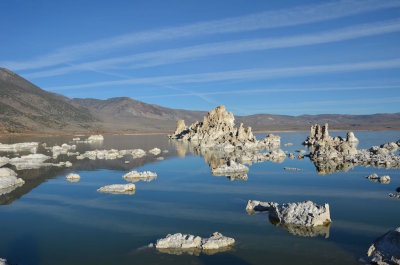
column 25, row 107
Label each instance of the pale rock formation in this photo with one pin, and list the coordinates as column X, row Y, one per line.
column 4, row 161
column 138, row 153
column 20, row 147
column 160, row 158
column 72, row 177
column 288, row 144
column 291, row 156
column 375, row 178
column 135, row 176
column 155, row 151
column 102, row 154
column 31, row 161
column 63, row 149
column 165, row 151
column 305, row 213
column 9, row 181
column 386, row 249
column 118, row 189
column 230, row 168
column 3, row 261
column 218, row 131
column 76, row 139
column 185, row 242
column 333, row 154
column 95, row 138
column 254, row 206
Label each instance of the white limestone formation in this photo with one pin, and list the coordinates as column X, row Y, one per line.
column 118, row 189
column 135, row 176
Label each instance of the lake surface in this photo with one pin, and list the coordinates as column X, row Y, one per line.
column 52, row 221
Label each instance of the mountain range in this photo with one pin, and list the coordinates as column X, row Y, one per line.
column 25, row 108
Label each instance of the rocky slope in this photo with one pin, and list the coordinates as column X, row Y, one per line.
column 24, row 107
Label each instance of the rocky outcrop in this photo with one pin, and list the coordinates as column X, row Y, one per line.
column 305, row 213
column 301, row 219
column 3, row 261
column 135, row 176
column 218, row 131
column 138, row 153
column 72, row 177
column 386, row 249
column 155, row 151
column 189, row 243
column 331, row 154
column 118, row 189
column 9, row 181
column 20, row 147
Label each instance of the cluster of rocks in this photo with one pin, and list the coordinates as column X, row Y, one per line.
column 302, row 218
column 331, row 154
column 111, row 154
column 31, row 161
column 20, row 147
column 182, row 243
column 64, row 149
column 155, row 151
column 135, row 176
column 118, row 189
column 9, row 181
column 386, row 249
column 218, row 131
column 375, row 178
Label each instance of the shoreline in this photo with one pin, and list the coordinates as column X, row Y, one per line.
column 87, row 134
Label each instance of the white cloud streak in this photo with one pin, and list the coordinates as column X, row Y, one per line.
column 170, row 56
column 264, row 20
column 246, row 74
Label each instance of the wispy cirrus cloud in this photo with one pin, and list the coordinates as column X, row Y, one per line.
column 244, row 74
column 170, row 56
column 264, row 20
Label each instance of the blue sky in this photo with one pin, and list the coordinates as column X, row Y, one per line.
column 279, row 57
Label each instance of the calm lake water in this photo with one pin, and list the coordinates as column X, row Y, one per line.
column 51, row 221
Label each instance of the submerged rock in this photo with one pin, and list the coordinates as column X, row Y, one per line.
column 72, row 177
column 9, row 181
column 155, row 151
column 118, row 189
column 302, row 213
column 183, row 243
column 386, row 249
column 20, row 147
column 135, row 176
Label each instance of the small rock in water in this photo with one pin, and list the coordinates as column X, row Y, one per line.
column 72, row 177
column 160, row 158
column 229, row 168
column 155, row 151
column 127, row 162
column 374, row 177
column 9, row 181
column 288, row 144
column 118, row 189
column 3, row 261
column 291, row 168
column 135, row 176
column 185, row 242
column 386, row 249
column 254, row 206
